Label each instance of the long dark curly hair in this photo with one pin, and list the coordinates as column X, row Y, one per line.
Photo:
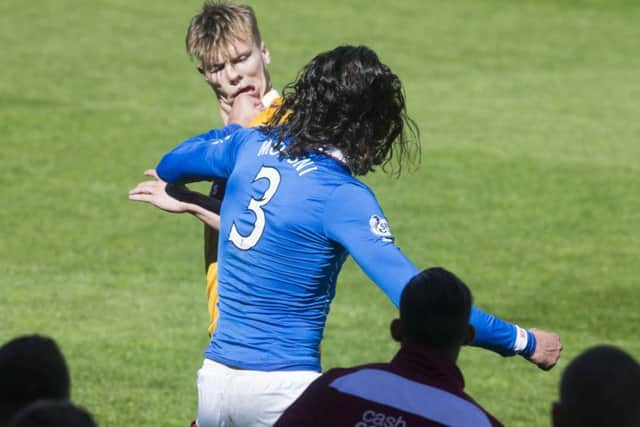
column 347, row 99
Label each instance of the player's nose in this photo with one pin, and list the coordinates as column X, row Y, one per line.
column 233, row 75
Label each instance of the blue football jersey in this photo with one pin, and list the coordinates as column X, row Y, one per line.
column 287, row 226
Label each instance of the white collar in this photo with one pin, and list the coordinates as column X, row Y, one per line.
column 269, row 97
column 335, row 154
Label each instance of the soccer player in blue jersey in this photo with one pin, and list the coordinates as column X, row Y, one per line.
column 292, row 213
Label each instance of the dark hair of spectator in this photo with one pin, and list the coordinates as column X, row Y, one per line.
column 434, row 309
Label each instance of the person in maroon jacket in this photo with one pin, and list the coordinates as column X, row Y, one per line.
column 421, row 386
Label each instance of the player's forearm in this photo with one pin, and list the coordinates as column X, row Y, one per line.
column 203, row 207
column 188, row 161
column 207, row 217
column 383, row 262
column 499, row 335
column 391, row 271
column 185, row 163
column 184, row 194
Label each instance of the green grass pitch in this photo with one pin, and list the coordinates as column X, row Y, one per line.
column 529, row 186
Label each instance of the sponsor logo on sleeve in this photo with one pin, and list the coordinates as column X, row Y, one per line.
column 380, row 227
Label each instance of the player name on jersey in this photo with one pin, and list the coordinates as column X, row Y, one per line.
column 302, row 165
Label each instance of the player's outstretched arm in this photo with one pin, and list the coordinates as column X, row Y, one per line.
column 356, row 221
column 154, row 193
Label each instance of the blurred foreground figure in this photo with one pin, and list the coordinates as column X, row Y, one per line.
column 599, row 388
column 51, row 413
column 32, row 367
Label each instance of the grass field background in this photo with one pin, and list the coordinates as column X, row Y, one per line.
column 529, row 186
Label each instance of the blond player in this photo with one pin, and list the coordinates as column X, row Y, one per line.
column 225, row 41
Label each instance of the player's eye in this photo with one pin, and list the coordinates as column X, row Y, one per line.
column 241, row 58
column 212, row 69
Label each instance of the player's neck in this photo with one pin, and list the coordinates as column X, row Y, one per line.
column 224, row 114
column 448, row 352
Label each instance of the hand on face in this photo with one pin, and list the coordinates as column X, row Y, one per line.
column 243, row 73
column 244, row 109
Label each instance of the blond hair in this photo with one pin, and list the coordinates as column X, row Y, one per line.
column 218, row 24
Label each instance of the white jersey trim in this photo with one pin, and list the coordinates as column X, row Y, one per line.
column 409, row 396
column 269, row 97
column 522, row 338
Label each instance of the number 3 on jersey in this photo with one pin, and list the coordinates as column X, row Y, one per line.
column 247, row 242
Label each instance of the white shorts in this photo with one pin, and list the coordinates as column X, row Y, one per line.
column 243, row 398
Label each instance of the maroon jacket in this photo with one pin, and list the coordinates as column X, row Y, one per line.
column 420, row 387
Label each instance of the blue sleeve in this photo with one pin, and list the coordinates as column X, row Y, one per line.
column 354, row 219
column 203, row 157
column 492, row 333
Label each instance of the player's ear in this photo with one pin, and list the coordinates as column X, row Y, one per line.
column 469, row 334
column 266, row 55
column 396, row 330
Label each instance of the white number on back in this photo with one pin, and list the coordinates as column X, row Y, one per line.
column 247, row 242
